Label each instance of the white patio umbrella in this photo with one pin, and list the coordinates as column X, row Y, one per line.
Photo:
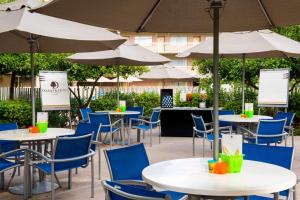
column 130, row 79
column 181, row 16
column 102, row 79
column 24, row 32
column 126, row 54
column 251, row 44
column 164, row 72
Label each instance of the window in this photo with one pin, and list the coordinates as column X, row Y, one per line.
column 143, row 40
column 178, row 40
column 180, row 62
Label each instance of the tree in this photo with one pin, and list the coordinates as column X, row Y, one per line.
column 231, row 71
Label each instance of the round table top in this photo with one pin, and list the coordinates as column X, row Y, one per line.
column 239, row 119
column 191, row 176
column 128, row 112
column 24, row 135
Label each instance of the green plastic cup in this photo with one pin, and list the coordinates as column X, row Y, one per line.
column 234, row 162
column 43, row 126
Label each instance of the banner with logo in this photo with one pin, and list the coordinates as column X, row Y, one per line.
column 55, row 94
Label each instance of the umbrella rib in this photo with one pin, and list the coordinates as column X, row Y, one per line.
column 147, row 18
column 263, row 9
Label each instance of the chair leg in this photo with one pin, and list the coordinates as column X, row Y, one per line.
column 138, row 135
column 99, row 157
column 294, row 193
column 150, row 137
column 203, row 147
column 128, row 135
column 159, row 134
column 11, row 178
column 143, row 134
column 92, row 177
column 52, row 181
column 193, row 143
column 2, row 181
column 292, row 132
column 111, row 140
column 76, row 171
column 69, row 179
column 57, row 180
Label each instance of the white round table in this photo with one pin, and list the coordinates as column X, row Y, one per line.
column 191, row 176
column 238, row 120
column 23, row 135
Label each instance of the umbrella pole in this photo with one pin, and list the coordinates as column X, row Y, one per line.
column 243, row 85
column 216, row 5
column 118, row 86
column 31, row 43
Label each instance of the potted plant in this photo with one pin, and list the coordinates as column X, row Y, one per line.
column 203, row 98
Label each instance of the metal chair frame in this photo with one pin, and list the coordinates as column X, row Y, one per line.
column 52, row 161
column 256, row 136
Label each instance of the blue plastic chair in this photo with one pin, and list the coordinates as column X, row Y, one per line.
column 69, row 153
column 276, row 155
column 225, row 112
column 85, row 113
column 126, row 165
column 134, row 116
column 268, row 132
column 118, row 191
column 107, row 127
column 8, row 145
column 200, row 130
column 6, row 165
column 145, row 125
column 289, row 116
column 92, row 127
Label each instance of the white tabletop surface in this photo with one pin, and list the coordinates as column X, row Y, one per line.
column 239, row 119
column 128, row 112
column 24, row 135
column 191, row 176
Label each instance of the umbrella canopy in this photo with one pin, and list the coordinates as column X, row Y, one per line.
column 130, row 79
column 52, row 35
column 253, row 44
column 102, row 79
column 126, row 54
column 22, row 31
column 178, row 16
column 165, row 72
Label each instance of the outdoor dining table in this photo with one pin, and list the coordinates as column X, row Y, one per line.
column 238, row 121
column 121, row 115
column 23, row 135
column 191, row 176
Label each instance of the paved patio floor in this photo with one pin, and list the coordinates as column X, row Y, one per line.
column 170, row 148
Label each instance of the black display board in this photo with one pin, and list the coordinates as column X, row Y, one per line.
column 166, row 98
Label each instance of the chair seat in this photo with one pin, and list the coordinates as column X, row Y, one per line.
column 46, row 167
column 211, row 137
column 174, row 195
column 113, row 130
column 5, row 164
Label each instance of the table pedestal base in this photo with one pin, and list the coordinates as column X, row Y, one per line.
column 40, row 187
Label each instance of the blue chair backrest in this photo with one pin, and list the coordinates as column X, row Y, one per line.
column 289, row 116
column 8, row 126
column 83, row 128
column 102, row 118
column 6, row 145
column 155, row 117
column 127, row 163
column 134, row 116
column 225, row 112
column 199, row 124
column 117, row 191
column 71, row 147
column 85, row 113
column 270, row 127
column 276, row 155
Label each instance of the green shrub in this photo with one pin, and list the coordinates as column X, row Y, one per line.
column 109, row 101
column 16, row 111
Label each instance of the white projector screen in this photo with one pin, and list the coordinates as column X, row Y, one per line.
column 273, row 88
